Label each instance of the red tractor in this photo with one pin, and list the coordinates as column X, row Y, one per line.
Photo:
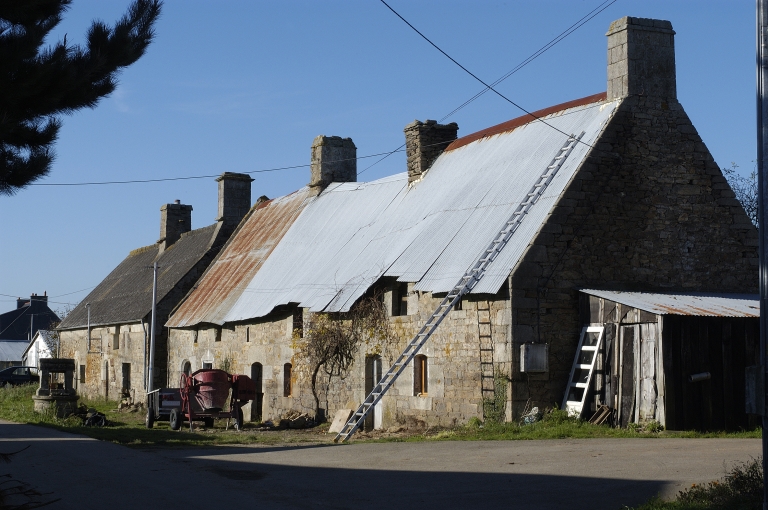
column 203, row 397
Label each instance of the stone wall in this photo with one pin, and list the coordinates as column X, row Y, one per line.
column 649, row 210
column 453, row 355
column 100, row 382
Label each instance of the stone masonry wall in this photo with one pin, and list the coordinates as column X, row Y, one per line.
column 454, row 394
column 98, row 381
column 648, row 211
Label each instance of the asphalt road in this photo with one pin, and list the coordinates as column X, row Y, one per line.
column 569, row 474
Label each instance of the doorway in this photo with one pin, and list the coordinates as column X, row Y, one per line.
column 372, row 378
column 256, row 405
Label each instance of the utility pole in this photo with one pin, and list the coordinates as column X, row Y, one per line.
column 151, row 382
column 762, row 186
column 88, row 308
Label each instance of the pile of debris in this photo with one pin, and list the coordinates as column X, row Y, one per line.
column 91, row 417
column 290, row 420
column 126, row 406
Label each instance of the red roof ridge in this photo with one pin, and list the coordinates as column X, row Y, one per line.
column 525, row 119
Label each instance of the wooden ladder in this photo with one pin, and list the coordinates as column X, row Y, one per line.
column 487, row 379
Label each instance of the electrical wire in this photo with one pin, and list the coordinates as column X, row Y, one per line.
column 554, row 41
column 489, row 87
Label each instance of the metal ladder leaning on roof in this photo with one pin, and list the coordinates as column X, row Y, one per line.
column 465, row 284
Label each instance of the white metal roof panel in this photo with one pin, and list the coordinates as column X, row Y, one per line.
column 12, row 350
column 429, row 233
column 693, row 303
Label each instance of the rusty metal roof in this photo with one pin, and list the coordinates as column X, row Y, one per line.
column 228, row 276
column 691, row 303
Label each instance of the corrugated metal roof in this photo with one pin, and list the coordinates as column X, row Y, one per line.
column 693, row 303
column 126, row 294
column 429, row 233
column 12, row 350
column 226, row 278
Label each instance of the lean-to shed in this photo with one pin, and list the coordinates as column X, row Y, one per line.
column 677, row 358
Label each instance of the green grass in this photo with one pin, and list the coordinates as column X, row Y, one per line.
column 740, row 489
column 556, row 425
column 128, row 428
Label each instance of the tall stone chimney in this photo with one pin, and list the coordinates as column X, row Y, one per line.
column 175, row 219
column 641, row 58
column 424, row 142
column 234, row 198
column 334, row 159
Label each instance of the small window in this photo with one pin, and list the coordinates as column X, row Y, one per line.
column 287, row 383
column 187, row 368
column 298, row 323
column 82, row 374
column 116, row 338
column 247, row 334
column 400, row 299
column 194, row 336
column 207, row 366
column 457, row 306
column 420, row 375
column 217, row 333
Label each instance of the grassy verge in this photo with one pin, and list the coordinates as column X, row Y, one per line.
column 128, row 428
column 556, row 425
column 740, row 489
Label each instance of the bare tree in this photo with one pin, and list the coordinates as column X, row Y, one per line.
column 745, row 189
column 331, row 340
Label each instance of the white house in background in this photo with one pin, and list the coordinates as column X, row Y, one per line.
column 38, row 348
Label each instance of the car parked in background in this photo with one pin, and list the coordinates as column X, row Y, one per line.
column 14, row 376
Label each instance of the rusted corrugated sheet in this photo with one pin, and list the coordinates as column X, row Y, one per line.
column 228, row 276
column 693, row 303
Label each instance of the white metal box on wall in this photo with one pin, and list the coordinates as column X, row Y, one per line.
column 534, row 358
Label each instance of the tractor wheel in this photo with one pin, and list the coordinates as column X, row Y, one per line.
column 239, row 419
column 149, row 419
column 175, row 419
column 208, row 423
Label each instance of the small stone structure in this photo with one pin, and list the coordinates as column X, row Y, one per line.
column 62, row 401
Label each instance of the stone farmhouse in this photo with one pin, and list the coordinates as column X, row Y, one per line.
column 638, row 204
column 108, row 333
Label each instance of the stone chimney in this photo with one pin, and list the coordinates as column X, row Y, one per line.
column 424, row 142
column 234, row 198
column 175, row 219
column 641, row 58
column 334, row 159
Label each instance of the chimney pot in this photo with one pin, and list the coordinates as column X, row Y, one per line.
column 641, row 58
column 177, row 201
column 234, row 198
column 334, row 159
column 424, row 142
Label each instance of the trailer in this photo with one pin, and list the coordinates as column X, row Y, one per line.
column 201, row 396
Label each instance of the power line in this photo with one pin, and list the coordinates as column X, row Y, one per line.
column 489, row 87
column 554, row 41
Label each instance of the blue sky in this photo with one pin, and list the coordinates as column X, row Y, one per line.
column 241, row 86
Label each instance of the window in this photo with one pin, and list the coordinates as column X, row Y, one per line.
column 420, row 375
column 82, row 374
column 194, row 336
column 287, row 383
column 207, row 366
column 247, row 334
column 298, row 323
column 217, row 333
column 116, row 338
column 187, row 367
column 400, row 299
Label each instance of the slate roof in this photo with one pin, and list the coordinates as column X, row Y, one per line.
column 126, row 294
column 14, row 325
column 430, row 232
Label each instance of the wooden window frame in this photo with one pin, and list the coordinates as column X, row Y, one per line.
column 420, row 375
